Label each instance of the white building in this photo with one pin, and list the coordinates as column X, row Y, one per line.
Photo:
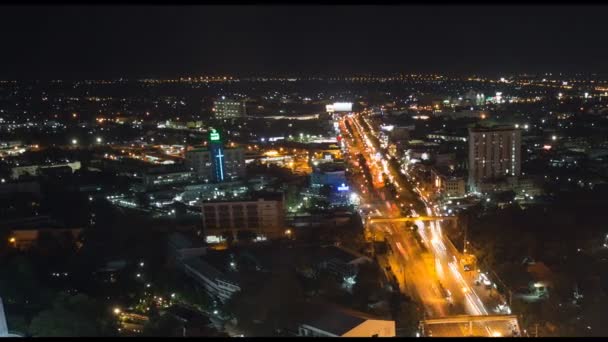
column 190, row 258
column 34, row 170
column 493, row 153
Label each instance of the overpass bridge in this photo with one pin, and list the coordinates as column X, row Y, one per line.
column 410, row 219
column 468, row 325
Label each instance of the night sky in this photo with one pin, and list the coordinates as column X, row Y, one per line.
column 114, row 41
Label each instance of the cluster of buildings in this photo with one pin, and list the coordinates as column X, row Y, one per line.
column 223, row 273
column 483, row 161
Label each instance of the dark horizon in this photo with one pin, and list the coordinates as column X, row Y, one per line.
column 103, row 42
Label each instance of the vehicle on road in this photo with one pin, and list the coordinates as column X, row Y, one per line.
column 445, row 293
column 483, row 279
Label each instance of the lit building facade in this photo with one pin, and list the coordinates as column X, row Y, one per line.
column 216, row 163
column 494, row 152
column 264, row 217
column 217, row 157
column 228, row 109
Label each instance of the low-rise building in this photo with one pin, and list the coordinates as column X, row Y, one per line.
column 191, row 257
column 328, row 174
column 35, row 170
column 448, row 184
column 163, row 176
column 334, row 321
column 24, row 233
column 21, row 187
column 447, row 137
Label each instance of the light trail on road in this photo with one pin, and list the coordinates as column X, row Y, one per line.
column 424, row 277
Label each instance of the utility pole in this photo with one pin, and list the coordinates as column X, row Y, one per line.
column 536, row 328
column 464, row 246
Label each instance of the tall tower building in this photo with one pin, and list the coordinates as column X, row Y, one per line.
column 494, row 152
column 216, row 149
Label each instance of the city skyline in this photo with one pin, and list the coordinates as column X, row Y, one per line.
column 312, row 171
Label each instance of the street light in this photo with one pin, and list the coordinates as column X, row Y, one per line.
column 74, row 142
column 117, row 311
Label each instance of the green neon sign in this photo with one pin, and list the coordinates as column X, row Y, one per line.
column 214, row 136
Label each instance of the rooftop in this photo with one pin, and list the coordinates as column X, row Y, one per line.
column 494, row 128
column 334, row 319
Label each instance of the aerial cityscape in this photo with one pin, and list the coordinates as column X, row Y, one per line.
column 310, row 171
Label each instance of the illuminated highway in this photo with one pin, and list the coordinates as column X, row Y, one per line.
column 426, row 264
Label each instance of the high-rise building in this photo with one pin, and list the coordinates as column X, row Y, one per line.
column 494, row 152
column 228, row 109
column 216, row 163
column 217, row 157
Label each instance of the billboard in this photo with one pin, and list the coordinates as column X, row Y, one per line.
column 343, row 106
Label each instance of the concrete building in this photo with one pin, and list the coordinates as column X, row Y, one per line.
column 3, row 326
column 19, row 187
column 228, row 109
column 328, row 174
column 181, row 247
column 190, row 257
column 448, row 184
column 494, row 152
column 446, row 137
column 35, row 170
column 161, row 177
column 262, row 216
column 4, row 332
column 333, row 321
column 25, row 232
